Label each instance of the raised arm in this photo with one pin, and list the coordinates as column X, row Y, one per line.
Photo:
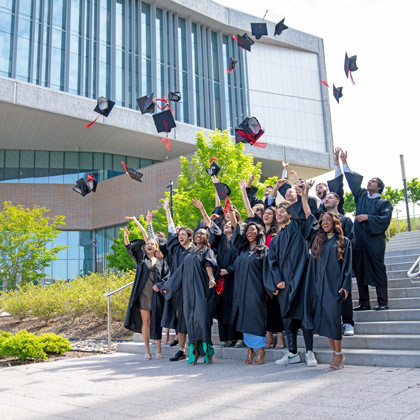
column 197, row 203
column 250, row 179
column 215, row 181
column 248, row 209
column 285, row 166
column 171, row 226
column 303, row 194
column 126, row 233
column 142, row 230
column 150, row 231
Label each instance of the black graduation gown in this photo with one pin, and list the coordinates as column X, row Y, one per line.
column 249, row 293
column 312, row 201
column 251, row 192
column 161, row 271
column 325, row 277
column 334, row 185
column 175, row 254
column 370, row 239
column 197, row 298
column 288, row 262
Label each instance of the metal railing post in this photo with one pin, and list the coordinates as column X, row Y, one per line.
column 109, row 321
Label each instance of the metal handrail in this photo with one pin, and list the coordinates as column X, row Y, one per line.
column 108, row 296
column 411, row 274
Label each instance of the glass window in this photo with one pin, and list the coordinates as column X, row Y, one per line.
column 108, row 166
column 71, row 167
column 73, row 269
column 117, row 167
column 8, row 5
column 146, row 162
column 6, row 38
column 75, row 64
column 57, row 60
column 133, row 162
column 56, row 168
column 26, row 172
column 1, row 165
column 25, row 8
column 145, row 30
column 59, row 270
column 41, row 167
column 59, row 13
column 86, row 164
column 76, row 16
column 73, row 243
column 61, row 239
column 23, row 50
column 11, row 166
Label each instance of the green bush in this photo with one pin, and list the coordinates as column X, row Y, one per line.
column 16, row 302
column 53, row 343
column 393, row 227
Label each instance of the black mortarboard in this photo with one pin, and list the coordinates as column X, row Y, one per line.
column 146, row 104
column 85, row 187
column 280, row 27
column 223, row 190
column 350, row 64
column 232, row 63
column 259, row 29
column 103, row 107
column 244, row 41
column 133, row 173
column 249, row 131
column 164, row 121
column 337, row 92
column 174, row 96
column 214, row 168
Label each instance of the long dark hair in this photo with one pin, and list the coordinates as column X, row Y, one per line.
column 321, row 238
column 273, row 230
column 244, row 244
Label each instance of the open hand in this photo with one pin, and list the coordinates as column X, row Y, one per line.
column 343, row 156
column 223, row 272
column 197, row 203
column 284, row 164
column 214, row 179
column 166, row 204
column 346, row 293
column 149, row 216
column 133, row 218
column 337, row 151
column 280, row 182
column 242, row 184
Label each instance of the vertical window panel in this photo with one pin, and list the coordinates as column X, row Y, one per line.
column 6, row 39
column 57, row 60
column 23, row 50
column 25, row 8
column 56, row 168
column 71, row 167
column 41, row 167
column 11, row 166
column 27, row 163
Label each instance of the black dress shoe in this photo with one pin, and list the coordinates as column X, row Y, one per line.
column 361, row 308
column 380, row 307
column 174, row 343
column 179, row 355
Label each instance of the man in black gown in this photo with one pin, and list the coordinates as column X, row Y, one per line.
column 373, row 216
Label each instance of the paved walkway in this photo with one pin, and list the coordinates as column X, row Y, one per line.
column 123, row 386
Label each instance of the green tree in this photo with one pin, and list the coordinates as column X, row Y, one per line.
column 349, row 204
column 194, row 182
column 413, row 193
column 24, row 236
column 393, row 195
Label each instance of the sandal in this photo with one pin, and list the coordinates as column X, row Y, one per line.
column 159, row 356
column 260, row 358
column 334, row 365
column 280, row 341
column 147, row 356
column 250, row 357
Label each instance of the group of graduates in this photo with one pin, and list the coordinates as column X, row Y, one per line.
column 287, row 267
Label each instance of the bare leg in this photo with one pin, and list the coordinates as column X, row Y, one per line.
column 182, row 341
column 269, row 339
column 167, row 336
column 338, row 356
column 158, row 346
column 145, row 329
column 280, row 341
column 250, row 357
column 332, row 345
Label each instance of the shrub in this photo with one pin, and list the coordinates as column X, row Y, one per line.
column 22, row 345
column 53, row 343
column 17, row 303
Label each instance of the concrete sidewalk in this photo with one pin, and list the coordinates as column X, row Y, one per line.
column 122, row 386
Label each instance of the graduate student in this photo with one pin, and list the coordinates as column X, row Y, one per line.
column 328, row 281
column 373, row 216
column 145, row 307
column 286, row 277
column 195, row 277
column 178, row 246
column 248, row 309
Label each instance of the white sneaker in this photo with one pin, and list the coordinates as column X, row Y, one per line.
column 348, row 330
column 288, row 358
column 310, row 359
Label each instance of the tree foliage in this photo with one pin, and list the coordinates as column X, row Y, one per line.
column 24, row 238
column 194, row 182
column 349, row 204
column 393, row 195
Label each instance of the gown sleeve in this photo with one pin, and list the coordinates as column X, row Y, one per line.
column 355, row 181
column 347, row 267
column 173, row 283
column 271, row 271
column 336, row 185
column 379, row 223
column 251, row 192
column 136, row 250
column 209, row 258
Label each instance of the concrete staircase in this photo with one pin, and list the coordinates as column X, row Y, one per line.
column 385, row 338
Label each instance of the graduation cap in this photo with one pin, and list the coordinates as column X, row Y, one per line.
column 103, row 107
column 214, row 167
column 280, row 27
column 164, row 122
column 259, row 29
column 249, row 131
column 133, row 173
column 146, row 104
column 85, row 187
column 174, row 96
column 232, row 63
column 223, row 190
column 350, row 65
column 337, row 92
column 244, row 41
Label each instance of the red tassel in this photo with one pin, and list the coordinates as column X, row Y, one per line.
column 220, row 285
column 93, row 122
column 263, row 18
column 165, row 101
column 228, row 204
column 351, row 76
column 236, row 39
column 166, row 139
column 213, row 159
column 91, row 178
column 324, row 83
column 261, row 145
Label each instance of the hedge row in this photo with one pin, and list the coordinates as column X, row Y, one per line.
column 83, row 295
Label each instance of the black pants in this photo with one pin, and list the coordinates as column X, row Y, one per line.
column 228, row 332
column 291, row 333
column 381, row 293
column 347, row 310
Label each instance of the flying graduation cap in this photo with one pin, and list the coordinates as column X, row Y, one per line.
column 249, row 131
column 164, row 122
column 338, row 93
column 232, row 63
column 103, row 107
column 174, row 96
column 133, row 173
column 146, row 104
column 214, row 167
column 85, row 187
column 244, row 41
column 223, row 190
column 280, row 27
column 350, row 65
column 259, row 29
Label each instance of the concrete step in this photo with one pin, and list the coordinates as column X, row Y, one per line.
column 361, row 357
column 399, row 266
column 402, row 252
column 398, row 303
column 396, row 274
column 387, row 327
column 393, row 283
column 406, row 233
column 401, row 259
column 389, row 315
column 393, row 292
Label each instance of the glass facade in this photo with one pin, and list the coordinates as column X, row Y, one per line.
column 124, row 49
column 43, row 167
